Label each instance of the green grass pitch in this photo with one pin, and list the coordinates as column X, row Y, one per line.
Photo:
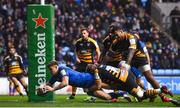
column 60, row 101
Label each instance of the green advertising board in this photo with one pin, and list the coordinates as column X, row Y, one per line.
column 40, row 23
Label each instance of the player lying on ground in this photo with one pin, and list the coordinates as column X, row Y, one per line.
column 120, row 79
column 68, row 76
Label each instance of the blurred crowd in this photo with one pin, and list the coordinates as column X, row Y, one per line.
column 97, row 15
column 175, row 23
column 168, row 1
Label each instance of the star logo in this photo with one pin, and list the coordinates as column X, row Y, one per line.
column 40, row 21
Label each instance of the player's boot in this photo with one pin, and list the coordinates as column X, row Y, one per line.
column 90, row 99
column 71, row 97
column 175, row 102
column 127, row 98
column 138, row 99
column 165, row 90
column 165, row 99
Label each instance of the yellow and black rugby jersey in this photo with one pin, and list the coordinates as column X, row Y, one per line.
column 13, row 64
column 107, row 43
column 122, row 44
column 115, row 56
column 85, row 49
column 111, row 74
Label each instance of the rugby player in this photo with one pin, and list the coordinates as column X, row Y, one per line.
column 68, row 76
column 85, row 48
column 15, row 70
column 113, row 58
column 129, row 45
column 112, row 78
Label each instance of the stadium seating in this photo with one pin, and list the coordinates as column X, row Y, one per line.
column 95, row 14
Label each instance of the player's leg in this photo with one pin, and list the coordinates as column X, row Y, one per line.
column 80, row 68
column 150, row 78
column 23, row 82
column 72, row 96
column 138, row 92
column 144, row 66
column 132, row 87
column 16, row 85
column 138, row 76
column 140, row 83
column 11, row 88
column 111, row 97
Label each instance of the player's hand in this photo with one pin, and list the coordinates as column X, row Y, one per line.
column 124, row 64
column 91, row 67
column 49, row 88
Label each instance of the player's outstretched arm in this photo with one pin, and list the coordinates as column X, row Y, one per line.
column 64, row 83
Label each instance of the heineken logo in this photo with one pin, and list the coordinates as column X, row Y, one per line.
column 41, row 58
column 40, row 54
column 40, row 21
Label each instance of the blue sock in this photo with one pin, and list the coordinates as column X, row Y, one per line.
column 116, row 95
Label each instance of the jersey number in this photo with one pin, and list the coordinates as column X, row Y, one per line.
column 121, row 74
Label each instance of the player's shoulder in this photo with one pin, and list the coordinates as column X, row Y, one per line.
column 129, row 36
column 78, row 40
column 91, row 40
column 136, row 36
column 18, row 56
column 63, row 70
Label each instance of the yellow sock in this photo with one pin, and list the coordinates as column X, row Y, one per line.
column 152, row 92
column 134, row 91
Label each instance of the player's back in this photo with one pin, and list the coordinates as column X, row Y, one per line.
column 79, row 79
column 111, row 73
